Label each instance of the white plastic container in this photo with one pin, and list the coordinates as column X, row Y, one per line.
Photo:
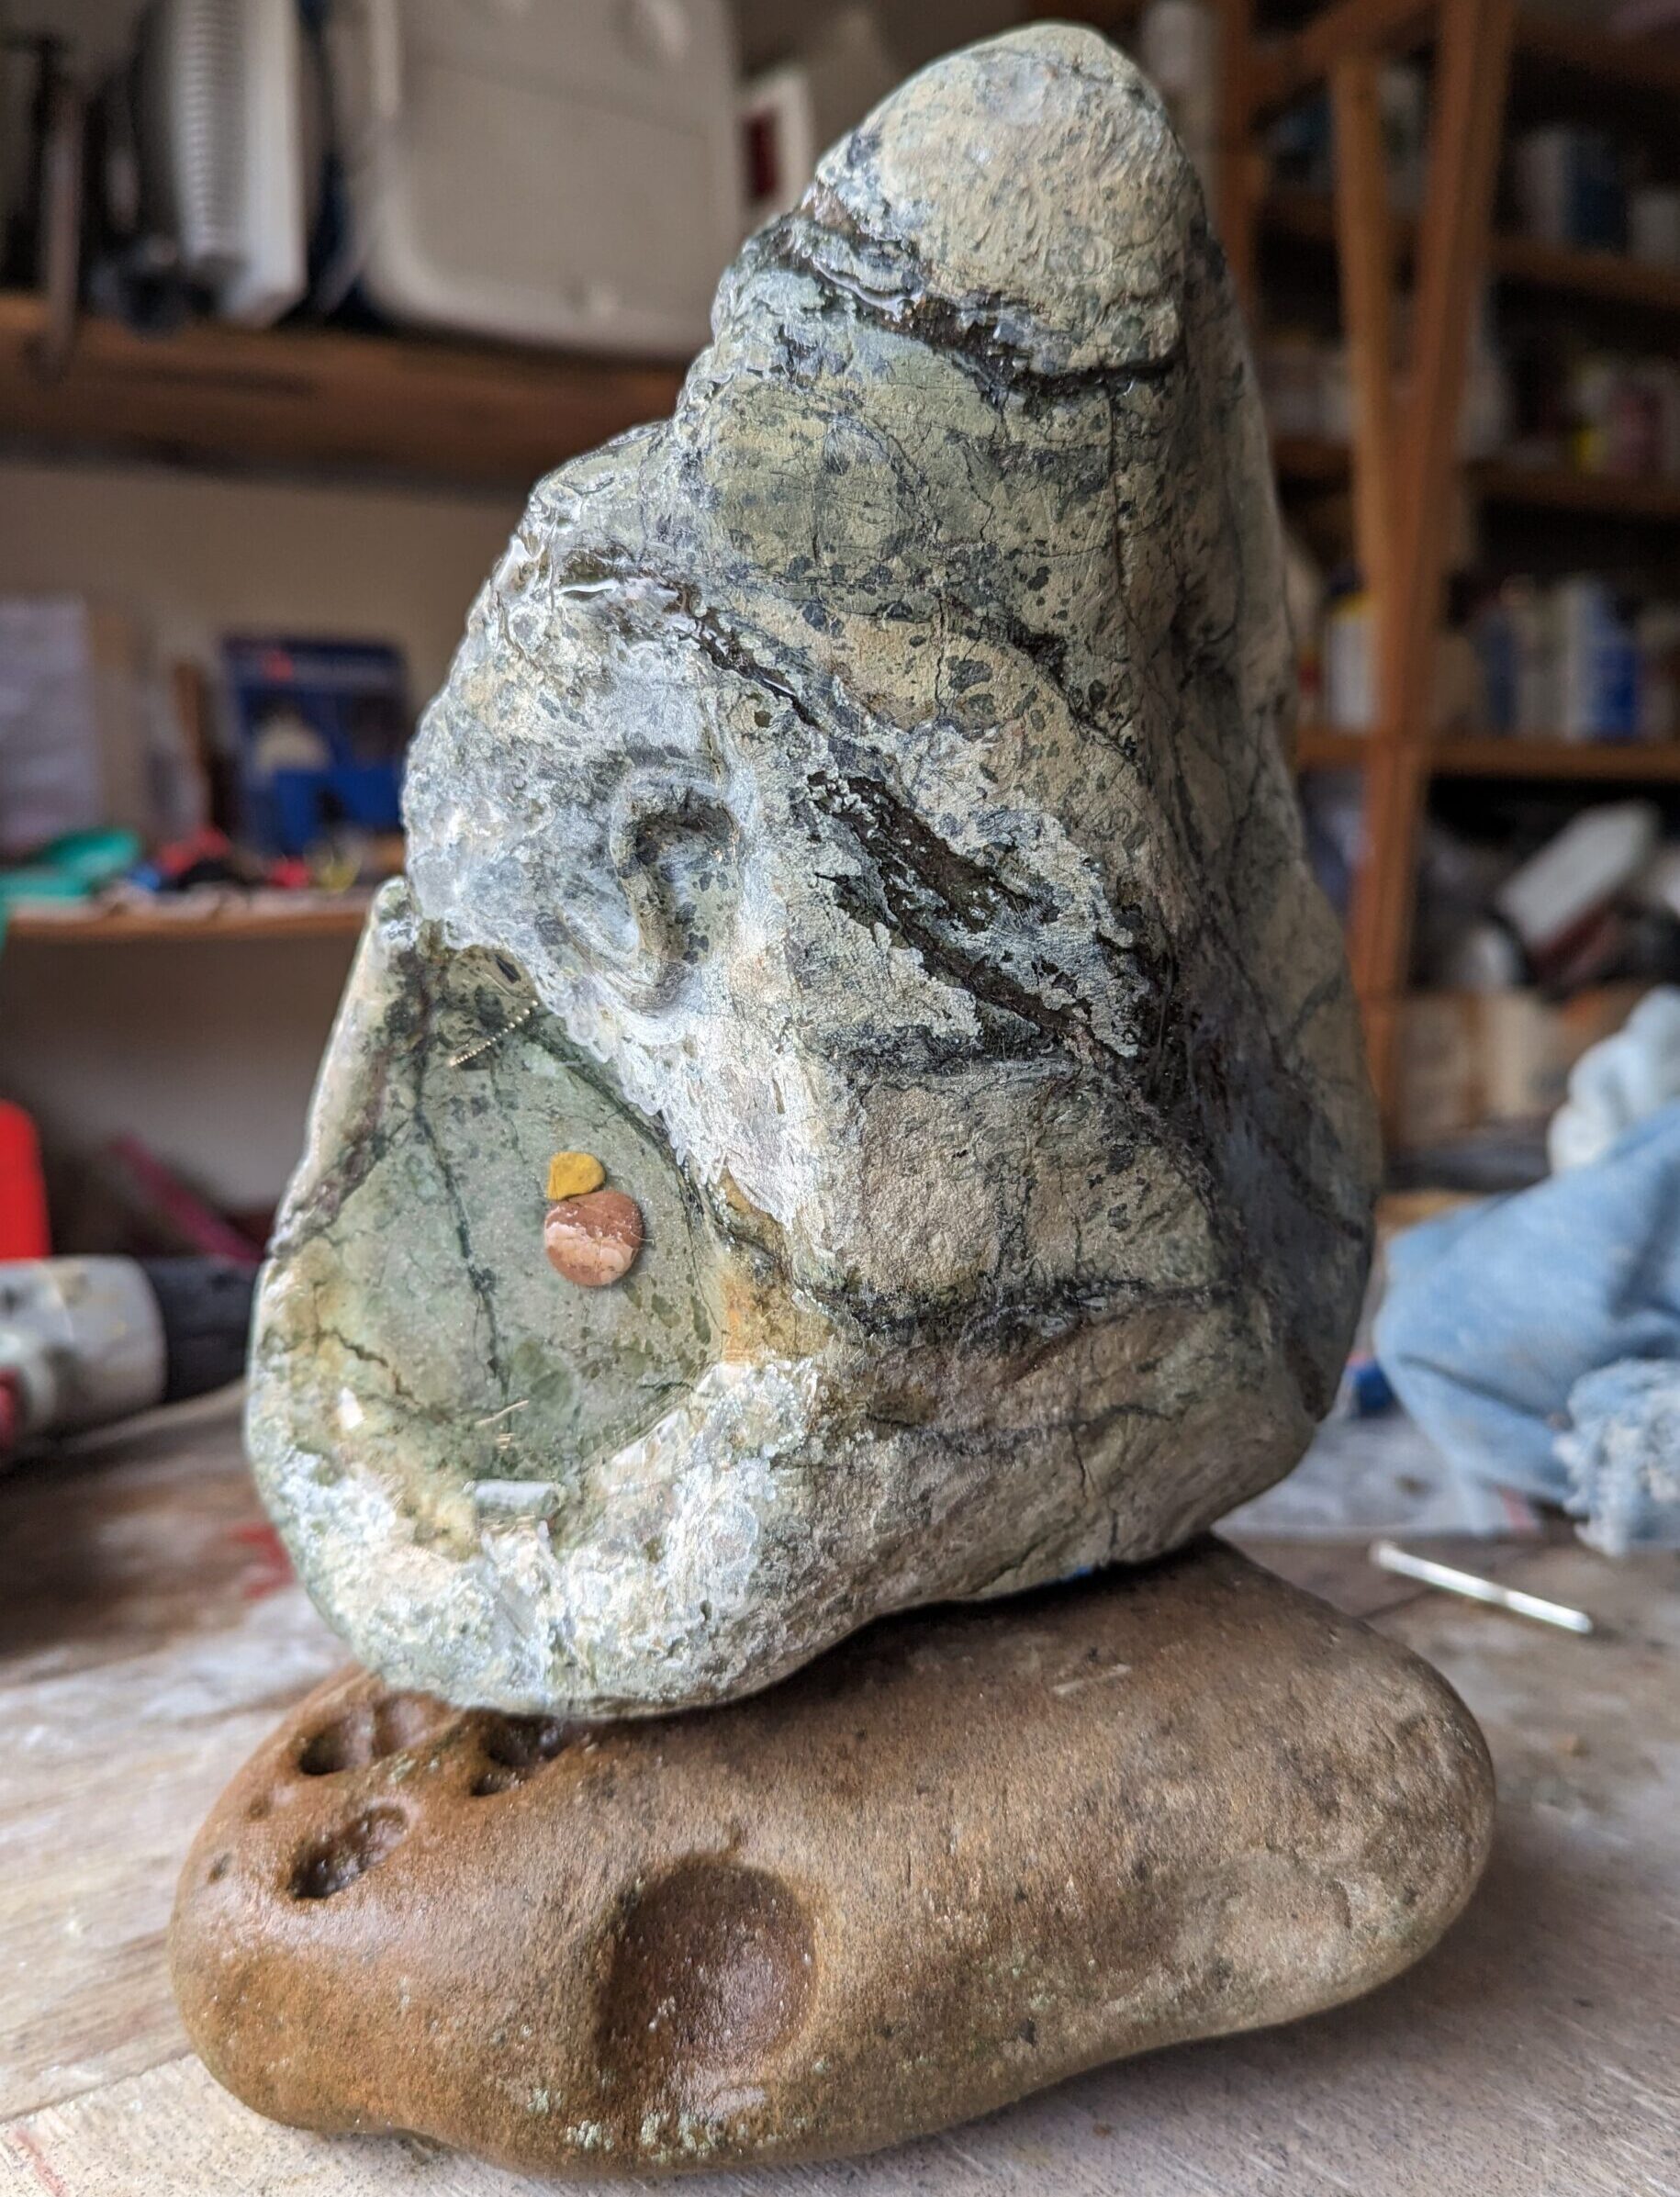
column 1350, row 669
column 1599, row 682
column 558, row 172
column 1593, row 858
column 222, row 90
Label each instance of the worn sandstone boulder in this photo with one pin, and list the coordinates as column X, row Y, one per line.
column 859, row 818
column 966, row 1853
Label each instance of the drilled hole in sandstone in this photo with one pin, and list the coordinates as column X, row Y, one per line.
column 334, row 1862
column 369, row 1732
column 517, row 1748
column 342, row 1746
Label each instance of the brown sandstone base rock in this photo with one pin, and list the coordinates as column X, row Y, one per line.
column 966, row 1853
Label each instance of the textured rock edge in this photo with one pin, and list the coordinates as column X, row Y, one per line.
column 650, row 2139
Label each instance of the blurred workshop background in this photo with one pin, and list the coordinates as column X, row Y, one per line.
column 297, row 300
column 299, row 296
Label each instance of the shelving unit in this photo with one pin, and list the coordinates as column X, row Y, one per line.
column 485, row 416
column 1617, row 65
column 1401, row 467
column 1278, row 69
column 179, row 923
column 1309, row 218
column 1306, row 459
column 1562, row 488
column 1563, row 762
column 473, row 415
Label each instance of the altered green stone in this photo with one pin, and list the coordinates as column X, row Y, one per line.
column 858, row 814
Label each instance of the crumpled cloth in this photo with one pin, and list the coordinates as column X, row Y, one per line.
column 1618, row 1081
column 1501, row 1318
column 1623, row 1454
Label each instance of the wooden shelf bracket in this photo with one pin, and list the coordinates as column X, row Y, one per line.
column 1404, row 456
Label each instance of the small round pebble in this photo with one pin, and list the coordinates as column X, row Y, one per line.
column 574, row 1174
column 593, row 1239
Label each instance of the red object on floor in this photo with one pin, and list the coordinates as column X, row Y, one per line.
column 23, row 1189
column 11, row 1410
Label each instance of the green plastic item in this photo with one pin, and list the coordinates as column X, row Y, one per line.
column 70, row 869
column 94, row 858
column 34, row 882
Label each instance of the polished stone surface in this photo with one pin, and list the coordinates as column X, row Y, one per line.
column 859, row 815
column 593, row 1239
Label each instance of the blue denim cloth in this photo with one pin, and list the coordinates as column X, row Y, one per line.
column 1623, row 1454
column 1495, row 1313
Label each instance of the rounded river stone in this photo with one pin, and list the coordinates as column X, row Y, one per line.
column 593, row 1239
column 860, row 815
column 968, row 1853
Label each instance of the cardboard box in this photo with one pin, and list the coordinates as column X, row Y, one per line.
column 1470, row 1057
column 75, row 739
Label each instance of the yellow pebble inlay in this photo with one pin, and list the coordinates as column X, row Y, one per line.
column 573, row 1174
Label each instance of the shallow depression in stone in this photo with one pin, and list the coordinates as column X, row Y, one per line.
column 328, row 1866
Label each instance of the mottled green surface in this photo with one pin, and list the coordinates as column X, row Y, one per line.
column 877, row 771
column 428, row 1269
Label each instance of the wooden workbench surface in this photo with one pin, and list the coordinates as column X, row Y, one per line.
column 150, row 1634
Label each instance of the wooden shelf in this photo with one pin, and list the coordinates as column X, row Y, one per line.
column 1311, row 458
column 1408, row 477
column 1285, row 67
column 1559, row 488
column 1636, row 762
column 1307, row 217
column 181, row 923
column 1594, row 55
column 1579, row 274
column 473, row 414
column 1316, row 749
column 1629, row 762
column 1311, row 461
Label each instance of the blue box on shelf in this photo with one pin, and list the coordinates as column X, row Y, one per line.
column 319, row 727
